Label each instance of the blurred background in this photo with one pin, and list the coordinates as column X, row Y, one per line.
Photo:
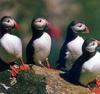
column 59, row 12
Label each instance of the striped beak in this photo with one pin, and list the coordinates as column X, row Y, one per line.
column 98, row 41
column 86, row 30
column 17, row 26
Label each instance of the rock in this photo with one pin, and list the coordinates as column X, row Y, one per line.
column 40, row 81
column 56, row 85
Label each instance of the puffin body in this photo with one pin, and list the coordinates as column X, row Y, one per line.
column 10, row 48
column 42, row 47
column 75, row 50
column 90, row 70
column 87, row 67
column 38, row 49
column 10, row 45
column 92, row 64
column 72, row 47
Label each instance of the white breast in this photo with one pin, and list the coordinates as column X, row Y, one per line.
column 90, row 69
column 42, row 47
column 75, row 48
column 10, row 48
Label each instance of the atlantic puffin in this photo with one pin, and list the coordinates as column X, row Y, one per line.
column 10, row 46
column 87, row 67
column 38, row 48
column 72, row 46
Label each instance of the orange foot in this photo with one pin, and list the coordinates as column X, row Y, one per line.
column 14, row 71
column 49, row 66
column 24, row 67
column 95, row 90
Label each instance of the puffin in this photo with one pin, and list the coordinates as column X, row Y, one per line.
column 10, row 46
column 86, row 69
column 72, row 46
column 39, row 47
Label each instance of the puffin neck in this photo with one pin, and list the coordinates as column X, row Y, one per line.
column 36, row 34
column 88, row 55
column 2, row 31
column 71, row 35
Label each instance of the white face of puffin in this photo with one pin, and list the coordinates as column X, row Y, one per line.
column 80, row 27
column 40, row 23
column 92, row 46
column 8, row 22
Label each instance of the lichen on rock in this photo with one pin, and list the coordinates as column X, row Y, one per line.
column 40, row 81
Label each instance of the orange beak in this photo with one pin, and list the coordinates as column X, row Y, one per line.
column 17, row 26
column 98, row 41
column 86, row 30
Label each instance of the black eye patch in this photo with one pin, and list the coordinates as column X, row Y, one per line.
column 80, row 25
column 8, row 21
column 93, row 43
column 39, row 20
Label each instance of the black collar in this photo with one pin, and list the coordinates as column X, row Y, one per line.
column 71, row 35
column 36, row 34
column 2, row 31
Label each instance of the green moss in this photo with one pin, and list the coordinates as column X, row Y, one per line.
column 4, row 77
column 27, row 83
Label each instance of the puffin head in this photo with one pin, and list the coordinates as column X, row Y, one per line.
column 39, row 24
column 90, row 45
column 77, row 26
column 8, row 23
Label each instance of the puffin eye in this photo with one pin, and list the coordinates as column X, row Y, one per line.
column 8, row 21
column 93, row 43
column 40, row 20
column 80, row 25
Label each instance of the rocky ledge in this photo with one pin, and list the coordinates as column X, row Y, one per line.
column 39, row 81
